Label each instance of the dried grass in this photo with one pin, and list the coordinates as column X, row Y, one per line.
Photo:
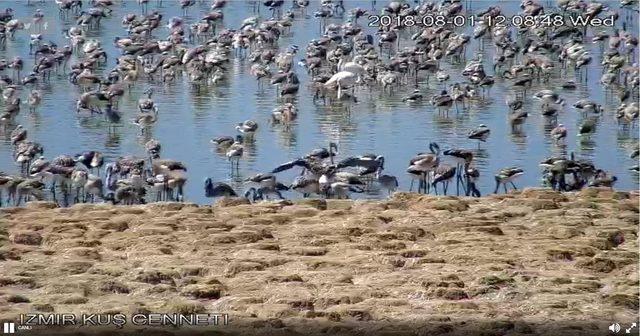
column 522, row 259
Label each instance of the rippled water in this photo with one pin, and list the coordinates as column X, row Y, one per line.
column 379, row 122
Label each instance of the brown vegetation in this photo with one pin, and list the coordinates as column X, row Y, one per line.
column 523, row 263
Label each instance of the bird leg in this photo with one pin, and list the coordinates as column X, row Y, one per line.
column 458, row 169
column 476, row 192
column 465, row 189
column 514, row 186
column 53, row 190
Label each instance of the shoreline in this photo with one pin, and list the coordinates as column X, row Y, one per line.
column 532, row 262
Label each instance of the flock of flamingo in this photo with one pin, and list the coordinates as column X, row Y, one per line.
column 343, row 59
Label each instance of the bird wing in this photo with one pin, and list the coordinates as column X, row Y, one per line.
column 355, row 162
column 291, row 164
column 368, row 170
column 260, row 177
column 174, row 165
column 459, row 153
column 281, row 186
column 222, row 189
column 478, row 133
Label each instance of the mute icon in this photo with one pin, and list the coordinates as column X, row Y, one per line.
column 615, row 328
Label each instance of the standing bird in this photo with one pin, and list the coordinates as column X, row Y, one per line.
column 507, row 175
column 18, row 134
column 153, row 148
column 559, row 133
column 587, row 127
column 147, row 104
column 341, row 80
column 388, row 182
column 481, row 133
column 472, row 174
column 443, row 101
column 248, row 127
column 517, row 118
column 29, row 188
column 94, row 187
column 463, row 158
column 185, row 4
column 422, row 164
column 112, row 116
column 515, row 104
column 443, row 174
column 34, row 100
column 235, row 152
column 144, row 120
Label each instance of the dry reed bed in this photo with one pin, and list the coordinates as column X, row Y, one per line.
column 523, row 263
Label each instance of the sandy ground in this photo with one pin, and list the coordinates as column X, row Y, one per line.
column 530, row 263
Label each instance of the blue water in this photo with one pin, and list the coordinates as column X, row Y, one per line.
column 379, row 123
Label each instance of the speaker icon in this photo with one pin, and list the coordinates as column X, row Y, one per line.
column 615, row 327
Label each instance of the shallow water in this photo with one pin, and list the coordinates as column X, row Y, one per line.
column 379, row 123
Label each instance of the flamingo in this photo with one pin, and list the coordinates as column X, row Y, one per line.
column 342, row 79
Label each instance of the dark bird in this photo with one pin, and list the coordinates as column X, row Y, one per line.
column 587, row 127
column 218, row 189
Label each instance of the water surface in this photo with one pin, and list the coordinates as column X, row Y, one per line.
column 379, row 122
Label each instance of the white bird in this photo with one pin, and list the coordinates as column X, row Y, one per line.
column 342, row 79
column 247, row 127
column 235, row 151
column 353, row 66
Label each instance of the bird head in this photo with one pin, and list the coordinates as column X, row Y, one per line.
column 334, row 146
column 434, row 147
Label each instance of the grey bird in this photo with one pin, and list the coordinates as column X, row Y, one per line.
column 507, row 175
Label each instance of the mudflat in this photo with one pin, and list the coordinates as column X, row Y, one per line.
column 530, row 262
